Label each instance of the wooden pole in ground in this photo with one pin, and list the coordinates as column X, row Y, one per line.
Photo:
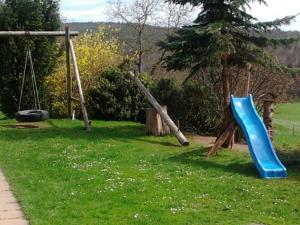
column 81, row 97
column 179, row 135
column 221, row 140
column 69, row 79
column 268, row 115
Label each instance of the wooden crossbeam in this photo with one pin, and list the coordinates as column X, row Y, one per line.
column 37, row 33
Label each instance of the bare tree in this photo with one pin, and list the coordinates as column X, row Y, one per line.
column 139, row 13
column 172, row 17
column 136, row 14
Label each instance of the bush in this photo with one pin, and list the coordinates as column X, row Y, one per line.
column 95, row 54
column 194, row 104
column 203, row 111
column 168, row 92
column 115, row 97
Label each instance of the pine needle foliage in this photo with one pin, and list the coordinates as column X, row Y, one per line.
column 223, row 34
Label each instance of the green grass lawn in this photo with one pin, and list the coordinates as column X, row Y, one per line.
column 1, row 115
column 287, row 118
column 117, row 175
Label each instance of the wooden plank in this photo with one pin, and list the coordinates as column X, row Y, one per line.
column 69, row 79
column 81, row 97
column 37, row 33
column 179, row 135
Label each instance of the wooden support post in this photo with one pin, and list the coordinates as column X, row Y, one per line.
column 69, row 79
column 221, row 140
column 81, row 97
column 246, row 88
column 179, row 135
column 268, row 116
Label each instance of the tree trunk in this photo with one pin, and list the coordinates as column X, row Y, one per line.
column 226, row 102
column 140, row 53
column 268, row 116
column 225, row 83
column 246, row 88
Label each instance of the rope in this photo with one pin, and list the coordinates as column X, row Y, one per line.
column 37, row 103
column 34, row 84
column 23, row 82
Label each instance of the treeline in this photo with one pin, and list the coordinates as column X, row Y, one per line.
column 288, row 55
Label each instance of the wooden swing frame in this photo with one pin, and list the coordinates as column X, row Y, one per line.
column 70, row 57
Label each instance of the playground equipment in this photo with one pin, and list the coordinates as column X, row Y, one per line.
column 70, row 55
column 258, row 139
column 37, row 114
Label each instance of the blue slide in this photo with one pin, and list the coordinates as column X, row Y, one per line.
column 257, row 137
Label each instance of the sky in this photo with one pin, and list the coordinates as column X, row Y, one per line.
column 96, row 10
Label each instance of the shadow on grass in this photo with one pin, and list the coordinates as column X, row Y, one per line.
column 290, row 158
column 198, row 158
column 121, row 132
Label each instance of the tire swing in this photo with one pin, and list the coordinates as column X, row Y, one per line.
column 36, row 114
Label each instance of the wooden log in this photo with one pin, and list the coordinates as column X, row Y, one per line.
column 222, row 139
column 79, row 86
column 155, row 125
column 38, row 33
column 69, row 79
column 179, row 135
column 246, row 87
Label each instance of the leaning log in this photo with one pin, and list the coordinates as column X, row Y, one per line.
column 179, row 135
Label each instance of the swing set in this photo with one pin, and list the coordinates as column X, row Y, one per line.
column 37, row 114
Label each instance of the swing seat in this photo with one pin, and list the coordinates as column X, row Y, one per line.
column 32, row 115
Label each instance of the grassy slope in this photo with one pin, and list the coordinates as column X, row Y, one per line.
column 287, row 116
column 117, row 175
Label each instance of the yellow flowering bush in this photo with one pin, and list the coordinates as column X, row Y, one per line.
column 95, row 54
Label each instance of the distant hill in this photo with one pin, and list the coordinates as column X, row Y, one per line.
column 288, row 55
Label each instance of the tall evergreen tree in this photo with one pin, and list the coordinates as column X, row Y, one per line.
column 25, row 15
column 224, row 35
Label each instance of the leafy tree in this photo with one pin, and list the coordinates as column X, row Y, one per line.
column 223, row 36
column 95, row 54
column 26, row 15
